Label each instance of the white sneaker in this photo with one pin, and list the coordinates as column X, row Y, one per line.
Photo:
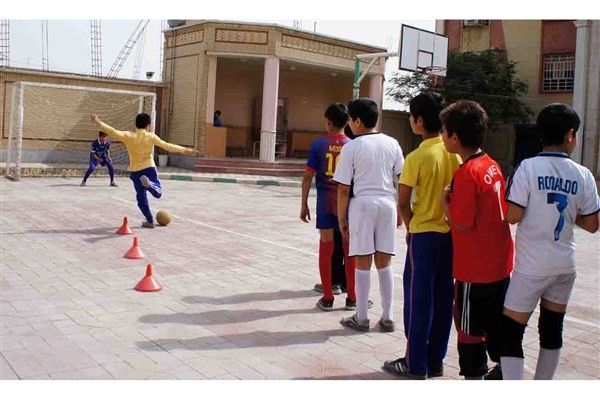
column 145, row 181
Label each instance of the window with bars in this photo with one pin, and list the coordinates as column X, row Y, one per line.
column 558, row 73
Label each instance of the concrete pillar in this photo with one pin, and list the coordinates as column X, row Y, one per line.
column 376, row 94
column 580, row 85
column 268, row 127
column 211, row 89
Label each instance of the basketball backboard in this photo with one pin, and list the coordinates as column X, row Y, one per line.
column 422, row 51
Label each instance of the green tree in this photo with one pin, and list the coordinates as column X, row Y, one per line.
column 486, row 77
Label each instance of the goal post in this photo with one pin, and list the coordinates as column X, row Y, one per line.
column 55, row 118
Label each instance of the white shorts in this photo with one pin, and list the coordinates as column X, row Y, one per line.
column 372, row 225
column 525, row 291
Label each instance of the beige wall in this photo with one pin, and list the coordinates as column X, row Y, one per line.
column 475, row 39
column 523, row 44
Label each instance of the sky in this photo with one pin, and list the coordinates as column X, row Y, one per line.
column 69, row 43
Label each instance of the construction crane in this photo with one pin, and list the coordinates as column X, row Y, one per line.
column 4, row 42
column 126, row 50
column 96, row 36
column 139, row 55
column 45, row 65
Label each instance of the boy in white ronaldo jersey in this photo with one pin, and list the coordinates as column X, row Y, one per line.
column 548, row 195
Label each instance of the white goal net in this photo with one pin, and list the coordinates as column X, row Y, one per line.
column 53, row 121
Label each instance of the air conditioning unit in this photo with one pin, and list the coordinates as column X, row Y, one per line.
column 475, row 22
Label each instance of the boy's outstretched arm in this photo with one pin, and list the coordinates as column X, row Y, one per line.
column 174, row 148
column 109, row 130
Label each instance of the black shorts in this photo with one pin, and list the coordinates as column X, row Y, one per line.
column 478, row 306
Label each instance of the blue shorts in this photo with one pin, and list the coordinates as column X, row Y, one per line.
column 327, row 221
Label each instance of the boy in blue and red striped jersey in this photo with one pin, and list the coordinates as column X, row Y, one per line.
column 322, row 160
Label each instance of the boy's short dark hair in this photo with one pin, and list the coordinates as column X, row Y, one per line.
column 218, row 112
column 467, row 120
column 337, row 113
column 142, row 121
column 555, row 121
column 428, row 106
column 365, row 109
column 102, row 134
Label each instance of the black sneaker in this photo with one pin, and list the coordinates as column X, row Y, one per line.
column 114, row 184
column 351, row 305
column 325, row 305
column 334, row 288
column 354, row 323
column 494, row 374
column 399, row 367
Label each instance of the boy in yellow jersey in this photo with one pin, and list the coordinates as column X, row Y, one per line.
column 428, row 283
column 140, row 147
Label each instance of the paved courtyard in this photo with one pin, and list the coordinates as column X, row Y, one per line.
column 237, row 267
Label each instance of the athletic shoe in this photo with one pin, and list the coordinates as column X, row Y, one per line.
column 114, row 184
column 336, row 289
column 145, row 181
column 83, row 183
column 399, row 367
column 148, row 224
column 494, row 374
column 325, row 305
column 354, row 323
column 351, row 305
column 386, row 325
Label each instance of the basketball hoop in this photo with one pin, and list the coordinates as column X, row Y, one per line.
column 436, row 75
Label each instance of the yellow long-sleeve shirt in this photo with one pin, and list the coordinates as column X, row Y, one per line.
column 140, row 146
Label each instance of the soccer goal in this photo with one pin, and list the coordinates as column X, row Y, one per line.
column 53, row 119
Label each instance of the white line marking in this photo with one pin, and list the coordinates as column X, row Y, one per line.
column 285, row 246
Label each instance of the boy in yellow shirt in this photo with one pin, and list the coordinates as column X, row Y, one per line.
column 428, row 282
column 140, row 148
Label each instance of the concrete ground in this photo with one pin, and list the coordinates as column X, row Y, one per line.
column 238, row 269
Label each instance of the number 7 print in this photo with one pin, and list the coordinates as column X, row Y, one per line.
column 561, row 201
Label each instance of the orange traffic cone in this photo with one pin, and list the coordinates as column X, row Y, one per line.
column 148, row 283
column 134, row 252
column 124, row 229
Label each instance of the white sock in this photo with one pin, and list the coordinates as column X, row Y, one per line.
column 512, row 368
column 362, row 285
column 386, row 288
column 546, row 364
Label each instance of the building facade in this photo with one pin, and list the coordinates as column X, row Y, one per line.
column 271, row 84
column 543, row 50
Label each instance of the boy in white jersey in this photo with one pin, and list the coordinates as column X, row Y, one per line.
column 547, row 196
column 369, row 166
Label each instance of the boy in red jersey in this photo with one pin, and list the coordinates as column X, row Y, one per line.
column 483, row 246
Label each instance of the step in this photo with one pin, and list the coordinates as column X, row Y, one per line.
column 240, row 163
column 250, row 171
